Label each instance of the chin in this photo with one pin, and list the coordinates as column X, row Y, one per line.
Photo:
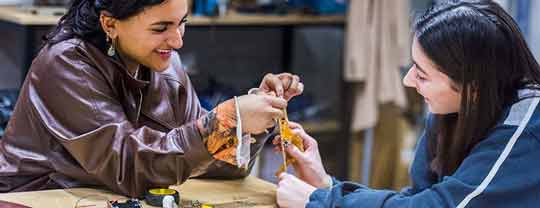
column 159, row 67
column 440, row 111
column 433, row 110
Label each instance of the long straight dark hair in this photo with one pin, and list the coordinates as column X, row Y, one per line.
column 479, row 47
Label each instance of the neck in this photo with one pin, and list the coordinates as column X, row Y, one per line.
column 131, row 65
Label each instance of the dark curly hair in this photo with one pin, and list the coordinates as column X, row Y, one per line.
column 82, row 19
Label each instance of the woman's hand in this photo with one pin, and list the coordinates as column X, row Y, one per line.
column 308, row 165
column 258, row 112
column 292, row 192
column 284, row 85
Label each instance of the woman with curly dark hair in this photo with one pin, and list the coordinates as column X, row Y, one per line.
column 106, row 103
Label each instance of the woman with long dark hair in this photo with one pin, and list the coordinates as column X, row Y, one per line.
column 106, row 103
column 481, row 142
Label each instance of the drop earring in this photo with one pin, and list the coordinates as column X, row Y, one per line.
column 112, row 51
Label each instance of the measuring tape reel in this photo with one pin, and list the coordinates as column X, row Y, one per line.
column 154, row 197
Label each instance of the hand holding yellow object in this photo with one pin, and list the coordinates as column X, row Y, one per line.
column 287, row 138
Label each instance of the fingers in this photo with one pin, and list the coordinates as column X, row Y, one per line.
column 275, row 114
column 294, row 87
column 284, row 85
column 299, row 90
column 276, row 102
column 295, row 82
column 295, row 153
column 272, row 82
column 293, row 125
column 287, row 79
column 276, row 140
column 309, row 142
column 283, row 189
column 277, row 149
column 283, row 176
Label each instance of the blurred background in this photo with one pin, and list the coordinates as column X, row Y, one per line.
column 350, row 54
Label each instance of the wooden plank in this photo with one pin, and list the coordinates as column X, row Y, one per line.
column 250, row 192
column 23, row 16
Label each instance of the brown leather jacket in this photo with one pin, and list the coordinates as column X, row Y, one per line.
column 83, row 120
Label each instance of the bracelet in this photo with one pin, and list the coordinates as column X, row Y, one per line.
column 253, row 91
column 243, row 149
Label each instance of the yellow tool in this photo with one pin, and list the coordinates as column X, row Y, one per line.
column 287, row 138
column 154, row 197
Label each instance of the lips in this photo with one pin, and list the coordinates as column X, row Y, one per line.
column 164, row 54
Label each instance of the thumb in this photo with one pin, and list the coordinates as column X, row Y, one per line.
column 283, row 176
column 296, row 153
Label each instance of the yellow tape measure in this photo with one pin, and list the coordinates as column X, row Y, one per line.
column 162, row 191
column 287, row 138
column 154, row 197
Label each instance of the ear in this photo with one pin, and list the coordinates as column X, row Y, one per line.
column 108, row 24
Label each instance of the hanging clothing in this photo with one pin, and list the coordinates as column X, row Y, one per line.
column 377, row 44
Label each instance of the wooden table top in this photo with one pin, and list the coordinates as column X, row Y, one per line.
column 250, row 192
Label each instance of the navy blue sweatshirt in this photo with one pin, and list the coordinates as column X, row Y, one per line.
column 503, row 170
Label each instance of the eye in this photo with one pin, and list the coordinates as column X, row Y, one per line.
column 160, row 29
column 417, row 74
column 420, row 77
column 185, row 20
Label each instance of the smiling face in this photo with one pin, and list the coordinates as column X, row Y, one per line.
column 149, row 37
column 439, row 91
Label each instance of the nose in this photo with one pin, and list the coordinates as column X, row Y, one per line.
column 409, row 80
column 176, row 39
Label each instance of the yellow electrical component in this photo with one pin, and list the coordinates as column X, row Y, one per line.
column 287, row 138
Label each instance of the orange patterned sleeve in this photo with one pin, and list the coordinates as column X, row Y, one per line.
column 218, row 131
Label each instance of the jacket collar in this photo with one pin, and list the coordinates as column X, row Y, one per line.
column 131, row 81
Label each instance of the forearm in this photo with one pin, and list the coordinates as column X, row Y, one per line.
column 217, row 129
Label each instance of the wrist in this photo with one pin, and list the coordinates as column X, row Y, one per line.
column 327, row 182
column 254, row 91
column 310, row 190
column 226, row 114
column 221, row 119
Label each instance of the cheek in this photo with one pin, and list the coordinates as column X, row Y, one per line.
column 456, row 101
column 446, row 100
column 149, row 45
column 134, row 45
column 146, row 50
column 423, row 89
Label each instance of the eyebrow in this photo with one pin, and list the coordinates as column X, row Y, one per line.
column 418, row 67
column 169, row 22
